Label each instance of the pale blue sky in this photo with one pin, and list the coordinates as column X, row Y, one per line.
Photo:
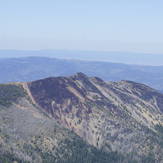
column 103, row 25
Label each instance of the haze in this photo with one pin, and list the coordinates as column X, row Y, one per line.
column 106, row 25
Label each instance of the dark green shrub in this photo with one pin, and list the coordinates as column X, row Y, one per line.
column 10, row 93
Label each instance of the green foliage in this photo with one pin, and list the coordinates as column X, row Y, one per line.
column 148, row 159
column 79, row 152
column 159, row 128
column 48, row 158
column 10, row 93
column 82, row 153
column 9, row 158
column 76, row 151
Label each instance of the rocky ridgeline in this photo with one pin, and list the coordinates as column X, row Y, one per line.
column 64, row 114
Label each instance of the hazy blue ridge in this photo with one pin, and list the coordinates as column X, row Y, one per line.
column 33, row 68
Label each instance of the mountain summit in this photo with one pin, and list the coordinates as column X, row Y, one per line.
column 43, row 117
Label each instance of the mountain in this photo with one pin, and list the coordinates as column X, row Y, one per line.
column 109, row 56
column 34, row 68
column 29, row 135
column 81, row 119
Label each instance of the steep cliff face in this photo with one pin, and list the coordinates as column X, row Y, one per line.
column 109, row 115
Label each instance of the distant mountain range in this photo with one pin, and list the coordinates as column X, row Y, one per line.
column 80, row 119
column 115, row 57
column 34, row 68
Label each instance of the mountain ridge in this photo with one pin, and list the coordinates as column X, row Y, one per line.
column 34, row 68
column 124, row 117
column 63, row 104
column 112, row 56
